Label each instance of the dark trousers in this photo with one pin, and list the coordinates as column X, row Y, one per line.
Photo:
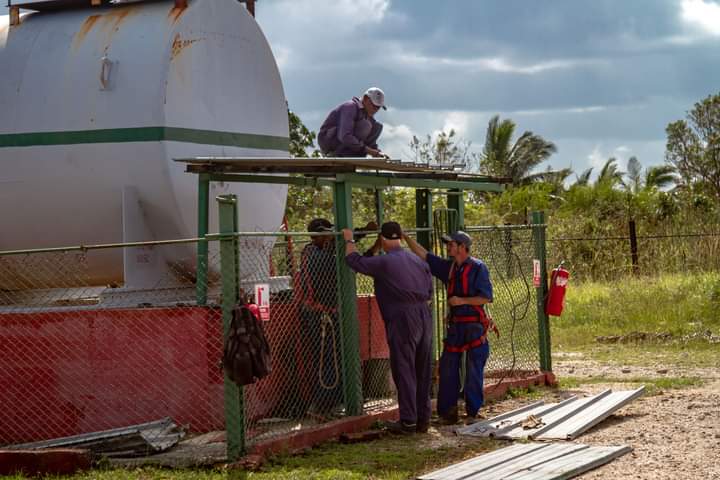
column 365, row 131
column 409, row 335
column 322, row 379
column 458, row 335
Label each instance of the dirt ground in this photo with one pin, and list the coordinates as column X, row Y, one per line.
column 675, row 434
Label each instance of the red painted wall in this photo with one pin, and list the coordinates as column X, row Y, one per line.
column 70, row 372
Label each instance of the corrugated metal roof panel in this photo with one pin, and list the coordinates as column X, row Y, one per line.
column 586, row 419
column 564, row 420
column 509, row 420
column 531, row 461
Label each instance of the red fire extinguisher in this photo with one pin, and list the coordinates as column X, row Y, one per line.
column 556, row 296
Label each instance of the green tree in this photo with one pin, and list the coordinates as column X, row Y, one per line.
column 304, row 203
column 503, row 158
column 301, row 137
column 443, row 150
column 693, row 146
column 657, row 177
column 609, row 174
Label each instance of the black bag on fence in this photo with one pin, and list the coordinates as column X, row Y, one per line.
column 246, row 353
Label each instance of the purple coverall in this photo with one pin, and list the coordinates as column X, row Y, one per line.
column 403, row 286
column 348, row 129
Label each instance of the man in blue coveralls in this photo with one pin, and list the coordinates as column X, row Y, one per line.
column 468, row 289
column 403, row 287
column 350, row 129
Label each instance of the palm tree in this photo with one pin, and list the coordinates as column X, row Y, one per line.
column 609, row 174
column 502, row 158
column 657, row 177
column 584, row 178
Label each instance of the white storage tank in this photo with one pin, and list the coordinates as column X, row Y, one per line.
column 96, row 102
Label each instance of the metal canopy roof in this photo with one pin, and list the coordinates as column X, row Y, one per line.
column 373, row 171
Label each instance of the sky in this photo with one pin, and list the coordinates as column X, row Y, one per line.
column 598, row 78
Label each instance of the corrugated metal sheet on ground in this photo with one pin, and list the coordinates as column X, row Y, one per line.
column 531, row 461
column 565, row 420
column 142, row 439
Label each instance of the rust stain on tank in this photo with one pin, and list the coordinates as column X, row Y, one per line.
column 175, row 14
column 179, row 45
column 107, row 23
column 84, row 30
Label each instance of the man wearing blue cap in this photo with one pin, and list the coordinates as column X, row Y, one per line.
column 350, row 129
column 468, row 289
column 403, row 287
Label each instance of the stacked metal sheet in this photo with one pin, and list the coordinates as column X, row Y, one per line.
column 564, row 421
column 531, row 461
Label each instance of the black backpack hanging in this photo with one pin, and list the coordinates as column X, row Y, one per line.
column 246, row 352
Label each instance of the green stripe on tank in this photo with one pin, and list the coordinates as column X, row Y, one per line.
column 146, row 134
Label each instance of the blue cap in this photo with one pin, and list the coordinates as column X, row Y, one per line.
column 459, row 237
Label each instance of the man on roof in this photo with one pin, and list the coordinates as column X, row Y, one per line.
column 350, row 129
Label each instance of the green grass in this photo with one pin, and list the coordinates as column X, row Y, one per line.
column 390, row 458
column 652, row 385
column 531, row 392
column 677, row 304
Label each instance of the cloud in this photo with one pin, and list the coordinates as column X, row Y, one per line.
column 491, row 64
column 701, row 14
column 458, row 121
column 324, row 15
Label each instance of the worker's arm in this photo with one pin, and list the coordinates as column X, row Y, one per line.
column 371, row 266
column 374, row 249
column 416, row 248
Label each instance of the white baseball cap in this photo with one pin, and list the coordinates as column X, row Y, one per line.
column 376, row 96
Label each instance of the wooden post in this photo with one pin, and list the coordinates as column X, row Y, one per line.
column 251, row 7
column 633, row 248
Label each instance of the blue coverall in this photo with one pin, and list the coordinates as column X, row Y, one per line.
column 348, row 130
column 403, row 287
column 465, row 334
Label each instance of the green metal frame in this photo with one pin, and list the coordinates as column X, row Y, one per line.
column 456, row 201
column 202, row 246
column 342, row 184
column 541, row 292
column 234, row 399
column 347, row 309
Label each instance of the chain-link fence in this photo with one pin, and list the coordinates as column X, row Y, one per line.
column 80, row 353
column 83, row 354
column 310, row 374
column 508, row 251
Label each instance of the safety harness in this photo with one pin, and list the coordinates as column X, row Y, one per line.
column 309, row 297
column 479, row 315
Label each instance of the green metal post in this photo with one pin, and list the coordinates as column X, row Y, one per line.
column 201, row 274
column 234, row 402
column 424, row 219
column 379, row 207
column 423, row 216
column 347, row 308
column 456, row 202
column 541, row 292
